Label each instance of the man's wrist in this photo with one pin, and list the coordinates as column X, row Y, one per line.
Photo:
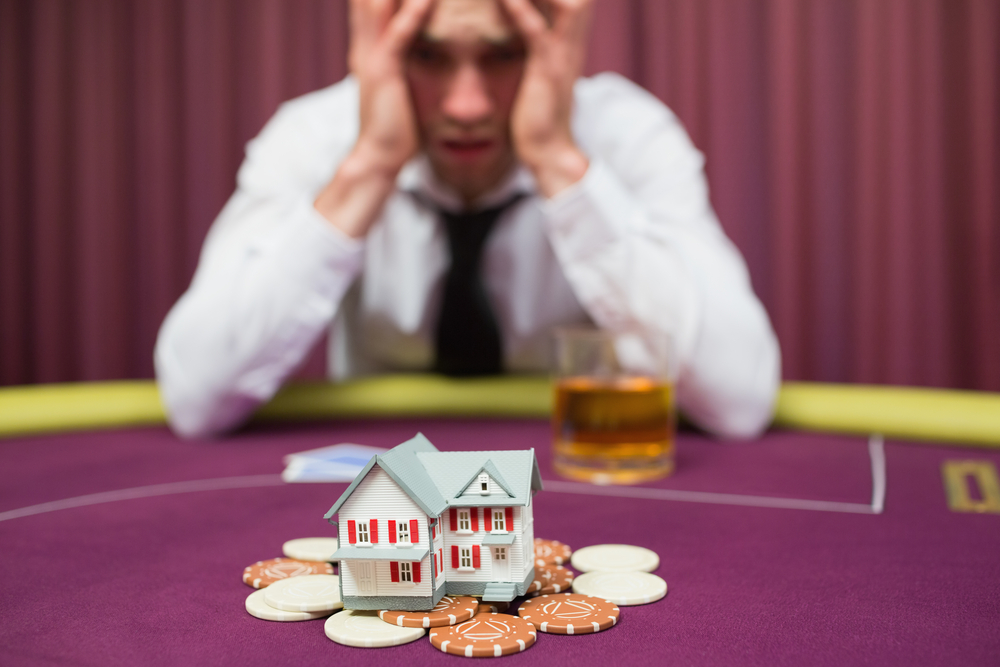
column 556, row 169
column 353, row 198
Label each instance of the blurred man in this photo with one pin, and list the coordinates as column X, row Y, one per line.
column 445, row 206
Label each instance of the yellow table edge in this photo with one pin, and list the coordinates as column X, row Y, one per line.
column 908, row 413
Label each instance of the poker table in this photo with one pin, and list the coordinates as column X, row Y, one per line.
column 123, row 544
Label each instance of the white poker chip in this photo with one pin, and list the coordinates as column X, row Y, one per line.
column 312, row 592
column 615, row 558
column 354, row 627
column 258, row 608
column 622, row 588
column 310, row 548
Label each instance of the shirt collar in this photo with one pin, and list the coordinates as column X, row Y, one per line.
column 418, row 177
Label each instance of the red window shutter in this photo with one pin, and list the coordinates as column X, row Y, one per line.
column 374, row 526
column 453, row 518
column 416, row 573
column 392, row 531
column 454, row 555
column 352, row 531
column 487, row 519
column 414, row 531
column 394, row 571
column 441, row 561
column 509, row 512
column 435, row 563
column 475, row 555
column 434, row 531
column 474, row 517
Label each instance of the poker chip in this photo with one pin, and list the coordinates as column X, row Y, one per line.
column 257, row 607
column 615, row 558
column 493, row 607
column 353, row 627
column 484, row 636
column 551, row 551
column 448, row 611
column 550, row 579
column 570, row 614
column 621, row 588
column 312, row 592
column 263, row 573
column 310, row 548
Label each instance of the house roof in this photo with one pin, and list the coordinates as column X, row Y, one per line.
column 516, row 472
column 435, row 479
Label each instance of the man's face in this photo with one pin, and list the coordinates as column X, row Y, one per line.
column 464, row 70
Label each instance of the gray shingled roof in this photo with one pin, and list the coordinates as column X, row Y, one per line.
column 435, row 479
column 452, row 473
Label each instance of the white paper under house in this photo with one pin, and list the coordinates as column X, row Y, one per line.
column 417, row 524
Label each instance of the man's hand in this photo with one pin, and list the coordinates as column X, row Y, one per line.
column 381, row 34
column 540, row 121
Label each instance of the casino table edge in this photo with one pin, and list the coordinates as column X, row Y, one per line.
column 943, row 416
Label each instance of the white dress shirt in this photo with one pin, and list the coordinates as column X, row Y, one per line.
column 634, row 245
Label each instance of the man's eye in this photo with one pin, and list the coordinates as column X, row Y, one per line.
column 426, row 55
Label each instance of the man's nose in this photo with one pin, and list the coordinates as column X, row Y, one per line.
column 467, row 100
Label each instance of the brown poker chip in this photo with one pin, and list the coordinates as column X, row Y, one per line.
column 493, row 607
column 485, row 636
column 550, row 579
column 551, row 551
column 570, row 614
column 448, row 611
column 263, row 573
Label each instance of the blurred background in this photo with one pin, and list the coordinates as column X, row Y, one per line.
column 853, row 153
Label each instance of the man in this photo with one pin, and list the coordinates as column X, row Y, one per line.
column 589, row 200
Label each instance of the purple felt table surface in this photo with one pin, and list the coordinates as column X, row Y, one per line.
column 141, row 564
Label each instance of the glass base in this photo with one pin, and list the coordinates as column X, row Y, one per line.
column 611, row 464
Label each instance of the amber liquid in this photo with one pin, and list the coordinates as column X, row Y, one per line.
column 618, row 431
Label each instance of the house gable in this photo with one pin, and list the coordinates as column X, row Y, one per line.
column 401, row 464
column 495, row 484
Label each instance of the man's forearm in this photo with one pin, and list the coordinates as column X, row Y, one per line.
column 354, row 197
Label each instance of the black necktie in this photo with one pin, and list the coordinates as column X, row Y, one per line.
column 467, row 338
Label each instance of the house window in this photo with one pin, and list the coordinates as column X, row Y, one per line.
column 405, row 572
column 484, row 484
column 465, row 557
column 403, row 531
column 463, row 520
column 498, row 521
column 501, row 553
column 363, row 533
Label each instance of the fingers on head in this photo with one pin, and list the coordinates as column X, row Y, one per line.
column 527, row 17
column 407, row 21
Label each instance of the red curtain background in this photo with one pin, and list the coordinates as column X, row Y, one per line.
column 853, row 153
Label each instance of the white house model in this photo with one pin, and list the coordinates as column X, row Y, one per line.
column 417, row 524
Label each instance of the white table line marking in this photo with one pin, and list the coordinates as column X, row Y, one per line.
column 170, row 488
column 876, row 454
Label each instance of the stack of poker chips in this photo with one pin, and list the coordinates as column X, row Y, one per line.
column 302, row 586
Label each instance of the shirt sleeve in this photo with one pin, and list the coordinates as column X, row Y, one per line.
column 269, row 281
column 641, row 247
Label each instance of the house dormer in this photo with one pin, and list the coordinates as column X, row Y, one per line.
column 487, row 481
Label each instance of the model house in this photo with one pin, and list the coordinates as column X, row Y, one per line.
column 417, row 524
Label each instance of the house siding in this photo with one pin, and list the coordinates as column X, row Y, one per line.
column 379, row 497
column 527, row 539
column 515, row 552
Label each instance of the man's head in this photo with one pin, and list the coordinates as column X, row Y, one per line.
column 464, row 70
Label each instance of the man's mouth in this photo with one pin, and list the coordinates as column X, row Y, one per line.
column 466, row 149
